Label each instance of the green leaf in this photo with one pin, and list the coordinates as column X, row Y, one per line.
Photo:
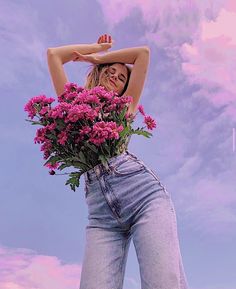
column 82, row 157
column 92, row 147
column 124, row 132
column 142, row 132
column 60, row 124
column 53, row 160
column 33, row 122
column 51, row 136
column 122, row 114
column 107, row 148
column 103, row 159
column 78, row 164
column 63, row 166
column 74, row 180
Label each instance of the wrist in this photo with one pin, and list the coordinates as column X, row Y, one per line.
column 99, row 59
column 97, row 47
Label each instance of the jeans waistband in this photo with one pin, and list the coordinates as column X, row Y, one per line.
column 97, row 170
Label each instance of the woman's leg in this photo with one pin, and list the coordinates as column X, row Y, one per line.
column 157, row 246
column 104, row 259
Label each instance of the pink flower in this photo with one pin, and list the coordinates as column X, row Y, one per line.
column 102, row 93
column 91, row 114
column 129, row 116
column 46, row 148
column 141, row 110
column 62, row 138
column 52, row 166
column 77, row 112
column 69, row 127
column 82, row 117
column 44, row 110
column 52, row 172
column 85, row 130
column 79, row 138
column 56, row 112
column 70, row 86
column 110, row 108
column 104, row 130
column 150, row 122
column 114, row 130
column 51, row 126
column 92, row 98
column 40, row 135
column 127, row 99
column 36, row 103
column 47, row 145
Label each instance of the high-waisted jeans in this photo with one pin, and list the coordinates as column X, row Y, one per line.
column 127, row 200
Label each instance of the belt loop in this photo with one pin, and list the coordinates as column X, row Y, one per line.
column 131, row 154
column 106, row 167
column 97, row 170
column 86, row 176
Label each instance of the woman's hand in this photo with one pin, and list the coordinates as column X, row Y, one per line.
column 105, row 41
column 93, row 57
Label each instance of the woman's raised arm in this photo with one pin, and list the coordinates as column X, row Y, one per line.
column 139, row 57
column 65, row 53
column 57, row 56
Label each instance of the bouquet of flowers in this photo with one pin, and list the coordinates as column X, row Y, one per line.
column 85, row 128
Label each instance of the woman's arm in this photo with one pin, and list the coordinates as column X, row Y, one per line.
column 125, row 55
column 65, row 53
column 57, row 56
column 139, row 57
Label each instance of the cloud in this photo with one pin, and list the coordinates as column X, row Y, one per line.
column 210, row 61
column 197, row 33
column 22, row 42
column 168, row 23
column 22, row 268
column 207, row 199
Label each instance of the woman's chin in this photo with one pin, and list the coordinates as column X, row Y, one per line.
column 108, row 86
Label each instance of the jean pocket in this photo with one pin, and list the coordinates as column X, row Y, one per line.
column 156, row 177
column 128, row 167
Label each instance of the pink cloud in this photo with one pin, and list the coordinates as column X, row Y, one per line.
column 115, row 11
column 230, row 5
column 211, row 60
column 168, row 23
column 24, row 269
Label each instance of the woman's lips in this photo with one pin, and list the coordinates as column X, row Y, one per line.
column 112, row 82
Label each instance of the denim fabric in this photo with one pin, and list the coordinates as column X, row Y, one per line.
column 127, row 201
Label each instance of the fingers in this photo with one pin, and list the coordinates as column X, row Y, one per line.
column 104, row 38
column 77, row 56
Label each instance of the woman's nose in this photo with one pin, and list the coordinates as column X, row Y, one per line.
column 114, row 76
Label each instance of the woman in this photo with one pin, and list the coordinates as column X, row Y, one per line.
column 127, row 199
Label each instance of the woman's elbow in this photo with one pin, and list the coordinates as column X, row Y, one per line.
column 146, row 49
column 50, row 51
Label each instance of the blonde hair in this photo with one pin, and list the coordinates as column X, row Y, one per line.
column 92, row 78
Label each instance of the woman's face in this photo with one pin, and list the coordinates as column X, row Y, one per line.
column 114, row 77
